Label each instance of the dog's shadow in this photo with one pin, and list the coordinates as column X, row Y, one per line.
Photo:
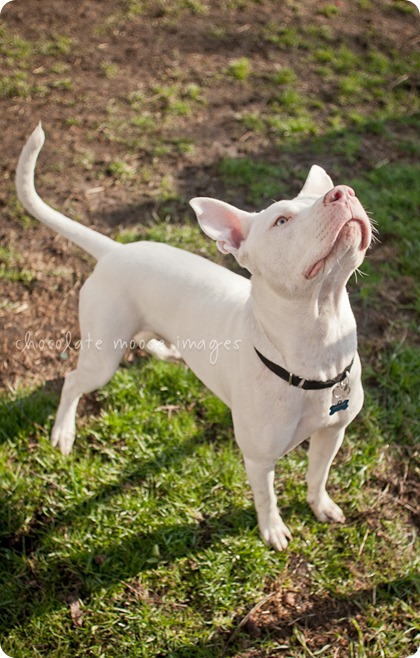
column 31, row 411
column 26, row 533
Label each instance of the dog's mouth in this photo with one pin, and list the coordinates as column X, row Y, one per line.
column 355, row 230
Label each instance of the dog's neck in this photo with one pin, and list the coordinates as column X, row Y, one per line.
column 313, row 337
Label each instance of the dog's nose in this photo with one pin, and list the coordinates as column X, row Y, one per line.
column 339, row 193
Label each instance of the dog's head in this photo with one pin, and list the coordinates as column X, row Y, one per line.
column 323, row 232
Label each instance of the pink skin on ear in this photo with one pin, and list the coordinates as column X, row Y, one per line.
column 224, row 223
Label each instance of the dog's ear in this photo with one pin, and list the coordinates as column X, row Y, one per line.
column 318, row 182
column 224, row 223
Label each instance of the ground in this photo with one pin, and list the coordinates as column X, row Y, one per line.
column 148, row 104
column 140, row 111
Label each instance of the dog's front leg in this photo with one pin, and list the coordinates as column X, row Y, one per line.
column 272, row 528
column 322, row 450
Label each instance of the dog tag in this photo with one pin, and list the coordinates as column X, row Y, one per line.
column 342, row 389
column 341, row 405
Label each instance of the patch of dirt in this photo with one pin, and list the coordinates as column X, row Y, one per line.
column 152, row 48
column 296, row 617
column 38, row 318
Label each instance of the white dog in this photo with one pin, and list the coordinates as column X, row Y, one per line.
column 279, row 350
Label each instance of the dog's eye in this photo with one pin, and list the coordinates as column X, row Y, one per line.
column 281, row 220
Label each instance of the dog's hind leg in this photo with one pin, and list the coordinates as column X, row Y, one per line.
column 106, row 330
column 158, row 347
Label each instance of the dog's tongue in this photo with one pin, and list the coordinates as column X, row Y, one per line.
column 316, row 268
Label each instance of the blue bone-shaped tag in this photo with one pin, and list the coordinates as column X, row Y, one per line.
column 340, row 406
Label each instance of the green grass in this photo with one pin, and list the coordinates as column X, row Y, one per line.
column 146, row 123
column 239, row 69
column 374, row 83
column 185, row 236
column 261, row 180
column 119, row 519
column 144, row 542
column 149, row 526
column 329, row 11
column 21, row 77
column 120, row 170
column 12, row 267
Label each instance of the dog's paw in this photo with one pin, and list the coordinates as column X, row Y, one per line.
column 275, row 532
column 326, row 510
column 63, row 438
column 163, row 351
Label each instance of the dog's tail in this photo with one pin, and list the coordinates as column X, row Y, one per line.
column 89, row 240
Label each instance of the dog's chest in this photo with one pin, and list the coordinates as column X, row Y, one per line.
column 286, row 416
column 320, row 409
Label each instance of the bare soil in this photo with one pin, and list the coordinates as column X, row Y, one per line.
column 155, row 47
column 152, row 47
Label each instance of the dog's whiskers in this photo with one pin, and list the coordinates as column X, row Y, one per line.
column 375, row 231
column 360, row 273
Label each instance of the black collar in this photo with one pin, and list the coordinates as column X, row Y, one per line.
column 300, row 382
